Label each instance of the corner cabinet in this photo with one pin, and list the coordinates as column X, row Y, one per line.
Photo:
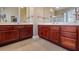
column 66, row 36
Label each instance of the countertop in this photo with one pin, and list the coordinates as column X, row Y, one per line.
column 76, row 24
column 16, row 23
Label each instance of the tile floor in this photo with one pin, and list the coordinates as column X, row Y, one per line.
column 36, row 44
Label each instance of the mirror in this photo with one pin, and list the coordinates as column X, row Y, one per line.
column 66, row 14
column 8, row 13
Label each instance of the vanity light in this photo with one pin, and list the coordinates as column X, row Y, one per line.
column 51, row 10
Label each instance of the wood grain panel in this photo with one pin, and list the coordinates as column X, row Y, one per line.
column 68, row 28
column 69, row 35
column 54, row 27
column 68, row 43
column 5, row 27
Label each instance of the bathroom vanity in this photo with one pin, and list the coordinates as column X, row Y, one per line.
column 14, row 32
column 65, row 35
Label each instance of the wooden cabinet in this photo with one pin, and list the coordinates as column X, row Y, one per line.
column 29, row 30
column 78, row 38
column 48, row 32
column 9, row 36
column 68, row 28
column 44, row 31
column 54, row 34
column 5, row 27
column 68, row 37
column 68, row 43
column 26, row 32
column 12, row 33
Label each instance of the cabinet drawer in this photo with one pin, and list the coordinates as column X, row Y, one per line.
column 68, row 43
column 68, row 28
column 6, row 27
column 27, row 26
column 69, row 35
column 18, row 26
column 54, row 27
column 43, row 26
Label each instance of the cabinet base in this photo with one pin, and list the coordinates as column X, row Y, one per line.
column 10, row 42
column 59, row 45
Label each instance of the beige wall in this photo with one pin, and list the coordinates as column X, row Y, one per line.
column 43, row 11
column 38, row 11
column 23, row 13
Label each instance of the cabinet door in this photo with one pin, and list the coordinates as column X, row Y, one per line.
column 54, row 36
column 29, row 30
column 68, row 29
column 1, row 36
column 69, row 37
column 14, row 35
column 9, row 36
column 44, row 31
column 26, row 32
column 78, row 40
column 68, row 43
column 40, row 31
column 23, row 34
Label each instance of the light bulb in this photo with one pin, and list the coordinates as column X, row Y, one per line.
column 51, row 10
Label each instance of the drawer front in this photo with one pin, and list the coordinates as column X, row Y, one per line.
column 6, row 27
column 43, row 26
column 54, row 27
column 18, row 26
column 68, row 28
column 69, row 35
column 27, row 26
column 68, row 43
